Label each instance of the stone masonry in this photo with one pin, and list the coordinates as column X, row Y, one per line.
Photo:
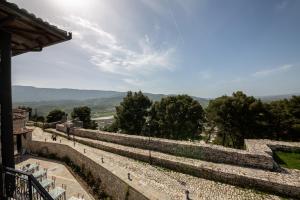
column 163, row 183
column 251, row 157
column 281, row 183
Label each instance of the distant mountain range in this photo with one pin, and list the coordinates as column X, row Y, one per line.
column 101, row 102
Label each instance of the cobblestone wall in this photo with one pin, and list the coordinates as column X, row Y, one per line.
column 116, row 187
column 214, row 153
column 113, row 184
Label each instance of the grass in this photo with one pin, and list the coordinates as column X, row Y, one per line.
column 288, row 159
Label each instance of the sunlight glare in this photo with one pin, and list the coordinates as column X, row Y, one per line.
column 71, row 4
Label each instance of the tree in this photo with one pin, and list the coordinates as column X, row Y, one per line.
column 237, row 117
column 132, row 112
column 284, row 118
column 176, row 117
column 55, row 115
column 294, row 108
column 40, row 119
column 84, row 115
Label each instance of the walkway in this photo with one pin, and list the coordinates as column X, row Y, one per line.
column 172, row 183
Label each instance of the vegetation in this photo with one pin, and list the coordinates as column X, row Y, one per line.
column 176, row 117
column 288, row 159
column 84, row 115
column 55, row 115
column 240, row 116
column 102, row 103
column 37, row 118
column 231, row 118
column 132, row 112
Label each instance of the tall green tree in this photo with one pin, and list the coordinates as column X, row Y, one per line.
column 176, row 117
column 132, row 112
column 55, row 115
column 284, row 118
column 84, row 114
column 238, row 117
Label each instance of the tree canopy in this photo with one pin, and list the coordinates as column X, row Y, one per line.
column 84, row 114
column 176, row 117
column 132, row 112
column 55, row 115
column 240, row 116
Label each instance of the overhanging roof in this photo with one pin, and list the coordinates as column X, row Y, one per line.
column 29, row 33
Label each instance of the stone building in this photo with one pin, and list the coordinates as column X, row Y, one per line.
column 20, row 132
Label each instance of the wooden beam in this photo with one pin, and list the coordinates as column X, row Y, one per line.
column 6, row 20
column 22, row 30
column 7, row 143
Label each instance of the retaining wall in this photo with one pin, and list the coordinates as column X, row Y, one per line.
column 111, row 181
column 213, row 153
column 116, row 187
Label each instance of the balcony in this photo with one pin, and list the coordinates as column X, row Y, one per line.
column 22, row 185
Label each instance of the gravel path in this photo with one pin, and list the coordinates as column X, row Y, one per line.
column 172, row 183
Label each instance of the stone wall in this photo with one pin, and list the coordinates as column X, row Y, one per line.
column 213, row 153
column 45, row 125
column 115, row 185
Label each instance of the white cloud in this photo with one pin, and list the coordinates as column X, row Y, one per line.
column 133, row 81
column 267, row 72
column 110, row 55
column 282, row 5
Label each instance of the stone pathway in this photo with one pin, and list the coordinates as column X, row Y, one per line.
column 172, row 183
column 275, row 177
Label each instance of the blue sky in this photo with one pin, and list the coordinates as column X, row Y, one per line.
column 205, row 48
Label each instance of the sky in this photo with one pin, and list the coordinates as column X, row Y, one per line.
column 205, row 48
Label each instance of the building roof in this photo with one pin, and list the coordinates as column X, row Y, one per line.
column 18, row 110
column 22, row 131
column 29, row 33
column 18, row 116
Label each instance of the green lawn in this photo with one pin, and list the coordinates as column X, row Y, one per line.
column 288, row 159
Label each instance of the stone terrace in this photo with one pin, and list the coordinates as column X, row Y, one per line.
column 163, row 182
column 282, row 183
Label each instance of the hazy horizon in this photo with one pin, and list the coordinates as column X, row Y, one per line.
column 204, row 48
column 204, row 97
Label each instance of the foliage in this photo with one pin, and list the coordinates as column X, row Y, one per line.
column 240, row 116
column 84, row 114
column 237, row 117
column 55, row 115
column 40, row 119
column 111, row 128
column 285, row 118
column 176, row 117
column 131, row 113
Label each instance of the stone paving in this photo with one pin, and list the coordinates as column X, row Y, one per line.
column 62, row 175
column 275, row 177
column 172, row 183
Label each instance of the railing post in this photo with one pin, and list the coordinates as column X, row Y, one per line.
column 30, row 187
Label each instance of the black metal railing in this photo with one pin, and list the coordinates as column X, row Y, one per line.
column 21, row 185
